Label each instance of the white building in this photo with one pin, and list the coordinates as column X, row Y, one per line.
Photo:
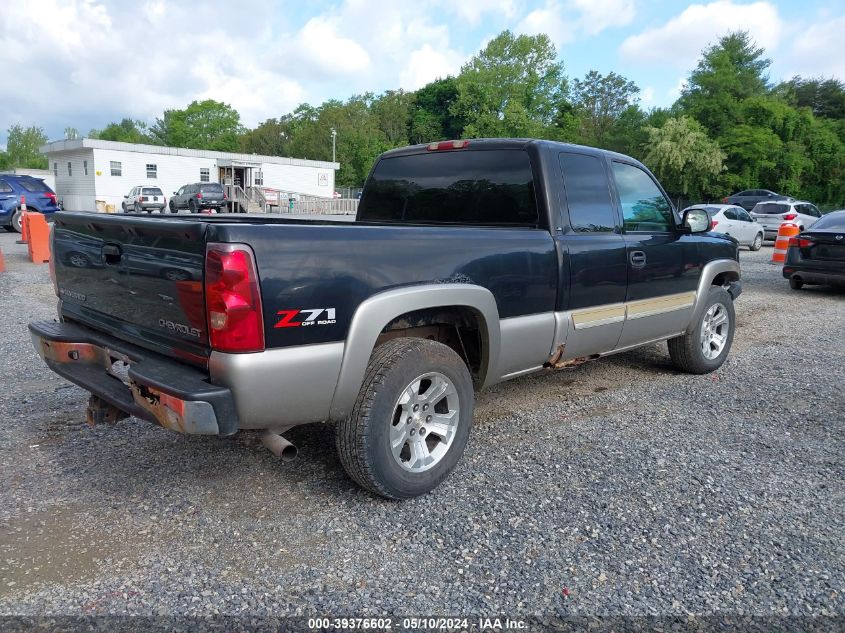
column 91, row 174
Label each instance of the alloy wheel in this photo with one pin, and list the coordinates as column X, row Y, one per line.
column 714, row 331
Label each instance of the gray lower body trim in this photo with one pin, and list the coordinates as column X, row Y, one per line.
column 280, row 387
column 526, row 344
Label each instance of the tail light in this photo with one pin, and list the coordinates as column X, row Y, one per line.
column 143, row 198
column 713, row 224
column 789, row 216
column 225, row 197
column 51, row 196
column 233, row 299
column 800, row 242
column 442, row 145
column 199, row 196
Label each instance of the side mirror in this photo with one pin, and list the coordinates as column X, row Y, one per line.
column 697, row 220
column 126, row 196
column 175, row 194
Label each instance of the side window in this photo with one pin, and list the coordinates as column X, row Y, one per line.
column 5, row 187
column 55, row 170
column 205, row 174
column 814, row 211
column 587, row 194
column 69, row 168
column 644, row 207
column 742, row 214
column 116, row 168
column 730, row 214
column 152, row 170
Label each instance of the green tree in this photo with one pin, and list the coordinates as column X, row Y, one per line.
column 205, row 124
column 270, row 138
column 127, row 131
column 824, row 97
column 431, row 116
column 729, row 72
column 71, row 133
column 683, row 157
column 601, row 100
column 22, row 146
column 511, row 88
column 393, row 114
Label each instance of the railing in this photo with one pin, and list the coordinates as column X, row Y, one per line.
column 280, row 202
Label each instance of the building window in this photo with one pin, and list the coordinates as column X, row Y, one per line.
column 259, row 177
column 55, row 170
column 116, row 168
column 69, row 169
column 152, row 170
column 85, row 167
column 205, row 174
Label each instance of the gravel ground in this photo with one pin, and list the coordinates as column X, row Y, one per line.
column 618, row 488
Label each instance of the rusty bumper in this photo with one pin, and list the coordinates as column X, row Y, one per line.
column 149, row 386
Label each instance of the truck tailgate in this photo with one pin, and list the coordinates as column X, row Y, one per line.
column 140, row 279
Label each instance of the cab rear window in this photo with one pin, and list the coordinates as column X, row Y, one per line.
column 33, row 184
column 212, row 188
column 483, row 187
column 151, row 191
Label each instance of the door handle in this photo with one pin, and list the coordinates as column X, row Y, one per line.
column 637, row 259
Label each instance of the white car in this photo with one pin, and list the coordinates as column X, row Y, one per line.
column 141, row 199
column 771, row 215
column 735, row 221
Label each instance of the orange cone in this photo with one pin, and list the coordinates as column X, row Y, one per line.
column 38, row 232
column 2, row 262
column 786, row 230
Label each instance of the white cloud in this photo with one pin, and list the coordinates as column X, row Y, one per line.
column 647, row 95
column 675, row 91
column 318, row 48
column 565, row 20
column 427, row 64
column 681, row 40
column 817, row 50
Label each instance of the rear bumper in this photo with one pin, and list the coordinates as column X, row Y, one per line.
column 811, row 276
column 155, row 388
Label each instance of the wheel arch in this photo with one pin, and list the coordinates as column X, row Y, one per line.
column 378, row 312
column 719, row 272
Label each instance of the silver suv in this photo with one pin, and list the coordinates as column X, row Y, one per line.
column 141, row 199
column 770, row 215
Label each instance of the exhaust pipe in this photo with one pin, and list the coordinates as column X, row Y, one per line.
column 279, row 446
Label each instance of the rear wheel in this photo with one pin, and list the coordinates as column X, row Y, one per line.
column 757, row 243
column 16, row 221
column 411, row 421
column 705, row 347
column 192, row 205
column 795, row 283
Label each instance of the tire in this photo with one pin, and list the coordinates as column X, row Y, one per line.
column 15, row 222
column 688, row 350
column 172, row 207
column 123, row 207
column 137, row 208
column 192, row 206
column 795, row 283
column 400, row 369
column 757, row 244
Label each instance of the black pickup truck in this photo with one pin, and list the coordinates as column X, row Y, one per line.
column 469, row 263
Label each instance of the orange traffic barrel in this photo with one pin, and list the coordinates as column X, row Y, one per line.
column 2, row 262
column 786, row 230
column 38, row 234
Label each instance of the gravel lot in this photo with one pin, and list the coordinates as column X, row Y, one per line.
column 618, row 488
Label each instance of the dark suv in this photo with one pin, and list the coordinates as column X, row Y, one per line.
column 39, row 197
column 747, row 199
column 200, row 195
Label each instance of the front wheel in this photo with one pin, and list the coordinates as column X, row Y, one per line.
column 757, row 243
column 704, row 348
column 411, row 421
column 16, row 221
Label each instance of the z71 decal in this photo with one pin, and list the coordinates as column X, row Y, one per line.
column 292, row 318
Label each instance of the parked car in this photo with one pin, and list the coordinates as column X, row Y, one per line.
column 38, row 196
column 817, row 256
column 734, row 221
column 455, row 275
column 141, row 199
column 747, row 199
column 771, row 215
column 199, row 195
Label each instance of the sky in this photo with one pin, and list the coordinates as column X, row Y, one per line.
column 85, row 63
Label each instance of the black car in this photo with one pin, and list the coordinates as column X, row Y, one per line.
column 200, row 195
column 817, row 256
column 747, row 199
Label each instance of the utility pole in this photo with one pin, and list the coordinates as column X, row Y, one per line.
column 334, row 144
